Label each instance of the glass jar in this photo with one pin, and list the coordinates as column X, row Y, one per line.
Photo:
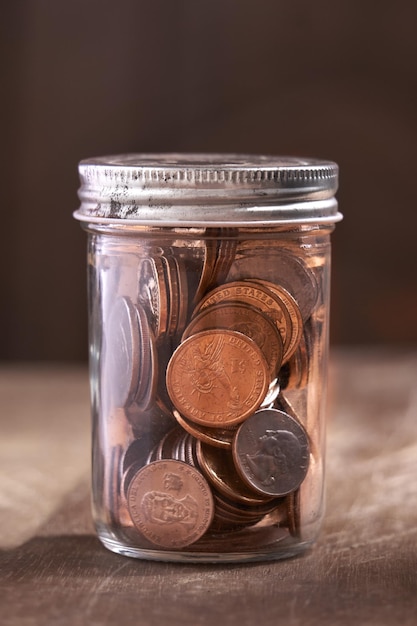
column 208, row 318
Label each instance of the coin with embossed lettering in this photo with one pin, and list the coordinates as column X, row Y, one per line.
column 170, row 503
column 271, row 452
column 247, row 320
column 257, row 295
column 217, row 377
column 294, row 312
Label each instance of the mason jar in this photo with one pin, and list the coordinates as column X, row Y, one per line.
column 208, row 287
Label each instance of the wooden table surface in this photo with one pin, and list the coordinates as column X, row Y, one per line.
column 363, row 570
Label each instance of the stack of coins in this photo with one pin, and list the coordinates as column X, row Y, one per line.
column 202, row 368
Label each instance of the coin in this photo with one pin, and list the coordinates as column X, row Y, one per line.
column 293, row 513
column 173, row 291
column 294, row 373
column 228, row 517
column 256, row 295
column 299, row 280
column 150, row 424
column 294, row 313
column 127, row 476
column 219, row 469
column 190, row 450
column 179, row 452
column 219, row 437
column 113, row 483
column 282, row 268
column 122, row 353
column 166, row 445
column 147, row 379
column 225, row 254
column 135, row 453
column 305, row 505
column 271, row 452
column 170, row 503
column 246, row 511
column 153, row 294
column 273, row 392
column 178, row 267
column 209, row 262
column 217, row 377
column 247, row 320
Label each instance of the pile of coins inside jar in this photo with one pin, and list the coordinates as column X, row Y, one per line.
column 199, row 361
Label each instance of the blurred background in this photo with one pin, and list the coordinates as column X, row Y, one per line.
column 332, row 79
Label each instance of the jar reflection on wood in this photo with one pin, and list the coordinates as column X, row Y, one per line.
column 209, row 297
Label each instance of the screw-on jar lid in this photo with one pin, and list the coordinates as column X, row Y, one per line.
column 207, row 189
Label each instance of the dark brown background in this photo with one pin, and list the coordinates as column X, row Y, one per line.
column 332, row 79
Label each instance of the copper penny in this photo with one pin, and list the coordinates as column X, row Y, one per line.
column 256, row 295
column 293, row 513
column 210, row 252
column 218, row 437
column 170, row 503
column 229, row 515
column 226, row 518
column 271, row 452
column 219, row 468
column 168, row 443
column 217, row 377
column 180, row 453
column 226, row 249
column 294, row 313
column 247, row 320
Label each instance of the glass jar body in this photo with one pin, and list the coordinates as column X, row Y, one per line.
column 208, row 363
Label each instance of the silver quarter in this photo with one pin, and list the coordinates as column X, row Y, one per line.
column 271, row 452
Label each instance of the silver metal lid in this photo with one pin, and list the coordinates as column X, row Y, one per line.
column 207, row 189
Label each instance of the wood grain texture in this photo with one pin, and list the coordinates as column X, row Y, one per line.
column 362, row 570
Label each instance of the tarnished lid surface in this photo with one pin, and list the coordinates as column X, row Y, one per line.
column 207, row 189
